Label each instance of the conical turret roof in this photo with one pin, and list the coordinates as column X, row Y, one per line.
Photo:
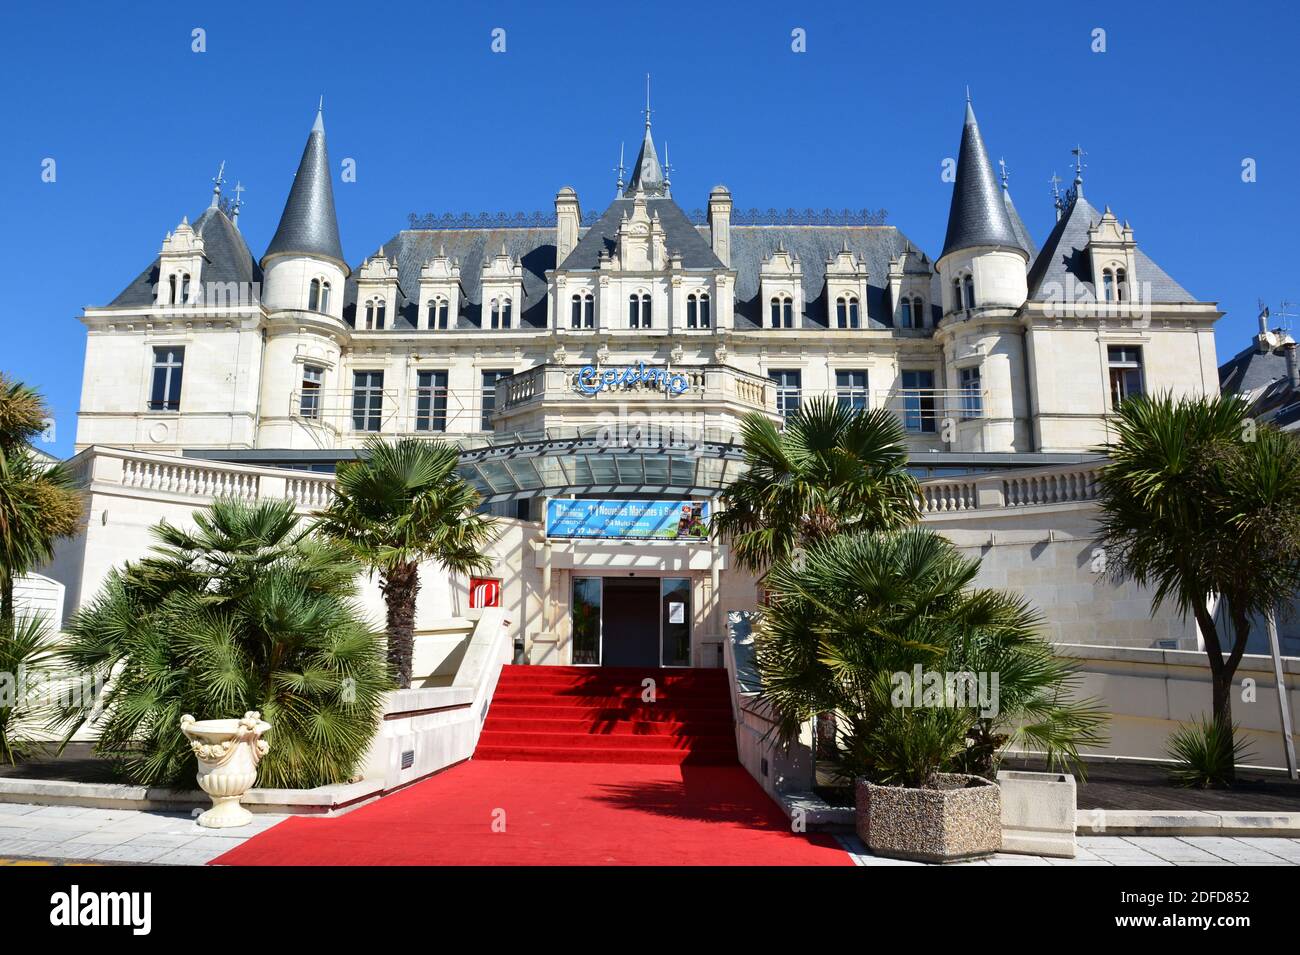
column 978, row 214
column 309, row 225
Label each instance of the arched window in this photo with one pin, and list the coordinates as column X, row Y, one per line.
column 438, row 312
column 956, row 295
column 638, row 310
column 905, row 314
column 582, row 310
column 968, row 284
column 918, row 313
column 697, row 310
column 1108, row 285
column 375, row 309
column 313, row 296
column 846, row 311
column 324, row 296
column 782, row 307
column 1121, row 284
column 171, row 289
column 501, row 313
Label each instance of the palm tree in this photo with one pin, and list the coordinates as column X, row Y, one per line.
column 1199, row 500
column 877, row 605
column 832, row 468
column 400, row 504
column 26, row 655
column 249, row 611
column 38, row 502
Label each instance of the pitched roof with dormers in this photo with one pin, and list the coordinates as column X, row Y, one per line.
column 1064, row 263
column 226, row 259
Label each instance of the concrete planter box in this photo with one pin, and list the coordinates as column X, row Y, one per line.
column 957, row 817
column 1038, row 813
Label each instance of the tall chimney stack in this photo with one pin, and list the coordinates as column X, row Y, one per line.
column 1292, row 365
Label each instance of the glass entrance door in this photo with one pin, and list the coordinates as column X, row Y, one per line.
column 586, row 620
column 675, row 621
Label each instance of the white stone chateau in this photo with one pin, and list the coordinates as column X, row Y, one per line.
column 992, row 346
column 595, row 367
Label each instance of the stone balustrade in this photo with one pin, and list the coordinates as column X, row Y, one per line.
column 1065, row 484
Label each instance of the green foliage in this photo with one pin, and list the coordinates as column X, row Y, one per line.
column 247, row 612
column 855, row 610
column 831, row 469
column 38, row 503
column 26, row 655
column 402, row 503
column 1207, row 753
column 1199, row 500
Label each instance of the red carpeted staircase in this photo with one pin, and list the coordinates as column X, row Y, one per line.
column 597, row 715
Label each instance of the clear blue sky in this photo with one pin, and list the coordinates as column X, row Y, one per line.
column 437, row 122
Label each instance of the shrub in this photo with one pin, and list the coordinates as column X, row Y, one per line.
column 1207, row 753
column 248, row 612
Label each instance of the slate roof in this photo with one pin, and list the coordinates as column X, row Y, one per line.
column 813, row 245
column 1063, row 260
column 1261, row 378
column 680, row 235
column 309, row 224
column 1018, row 225
column 411, row 248
column 647, row 174
column 978, row 214
column 225, row 259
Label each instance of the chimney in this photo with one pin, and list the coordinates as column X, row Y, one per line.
column 1292, row 367
column 720, row 223
column 1262, row 344
column 568, row 217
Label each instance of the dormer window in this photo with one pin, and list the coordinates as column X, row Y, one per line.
column 638, row 310
column 501, row 313
column 1121, row 285
column 918, row 312
column 911, row 312
column 179, row 287
column 697, row 310
column 375, row 309
column 437, row 312
column 583, row 310
column 1108, row 285
column 846, row 311
column 782, row 311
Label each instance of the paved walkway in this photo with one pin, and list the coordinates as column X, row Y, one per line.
column 71, row 834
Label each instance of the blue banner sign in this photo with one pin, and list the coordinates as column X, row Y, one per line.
column 644, row 520
column 592, row 381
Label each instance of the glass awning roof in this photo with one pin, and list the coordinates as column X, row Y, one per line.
column 557, row 462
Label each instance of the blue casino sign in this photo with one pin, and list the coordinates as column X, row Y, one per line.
column 592, row 380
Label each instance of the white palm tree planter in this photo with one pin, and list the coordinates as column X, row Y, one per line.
column 228, row 752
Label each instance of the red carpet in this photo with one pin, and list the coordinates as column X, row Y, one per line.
column 603, row 715
column 554, row 814
column 581, row 770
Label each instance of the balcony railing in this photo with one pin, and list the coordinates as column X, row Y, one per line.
column 1036, row 487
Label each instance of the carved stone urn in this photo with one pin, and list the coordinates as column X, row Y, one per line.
column 228, row 752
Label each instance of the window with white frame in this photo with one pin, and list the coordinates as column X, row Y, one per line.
column 919, row 411
column 582, row 312
column 168, row 368
column 781, row 309
column 972, row 392
column 638, row 310
column 697, row 310
column 488, row 395
column 846, row 311
column 501, row 312
column 438, row 312
column 367, row 400
column 431, row 401
column 1125, row 365
column 851, row 389
column 375, row 314
column 789, row 389
column 313, row 378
